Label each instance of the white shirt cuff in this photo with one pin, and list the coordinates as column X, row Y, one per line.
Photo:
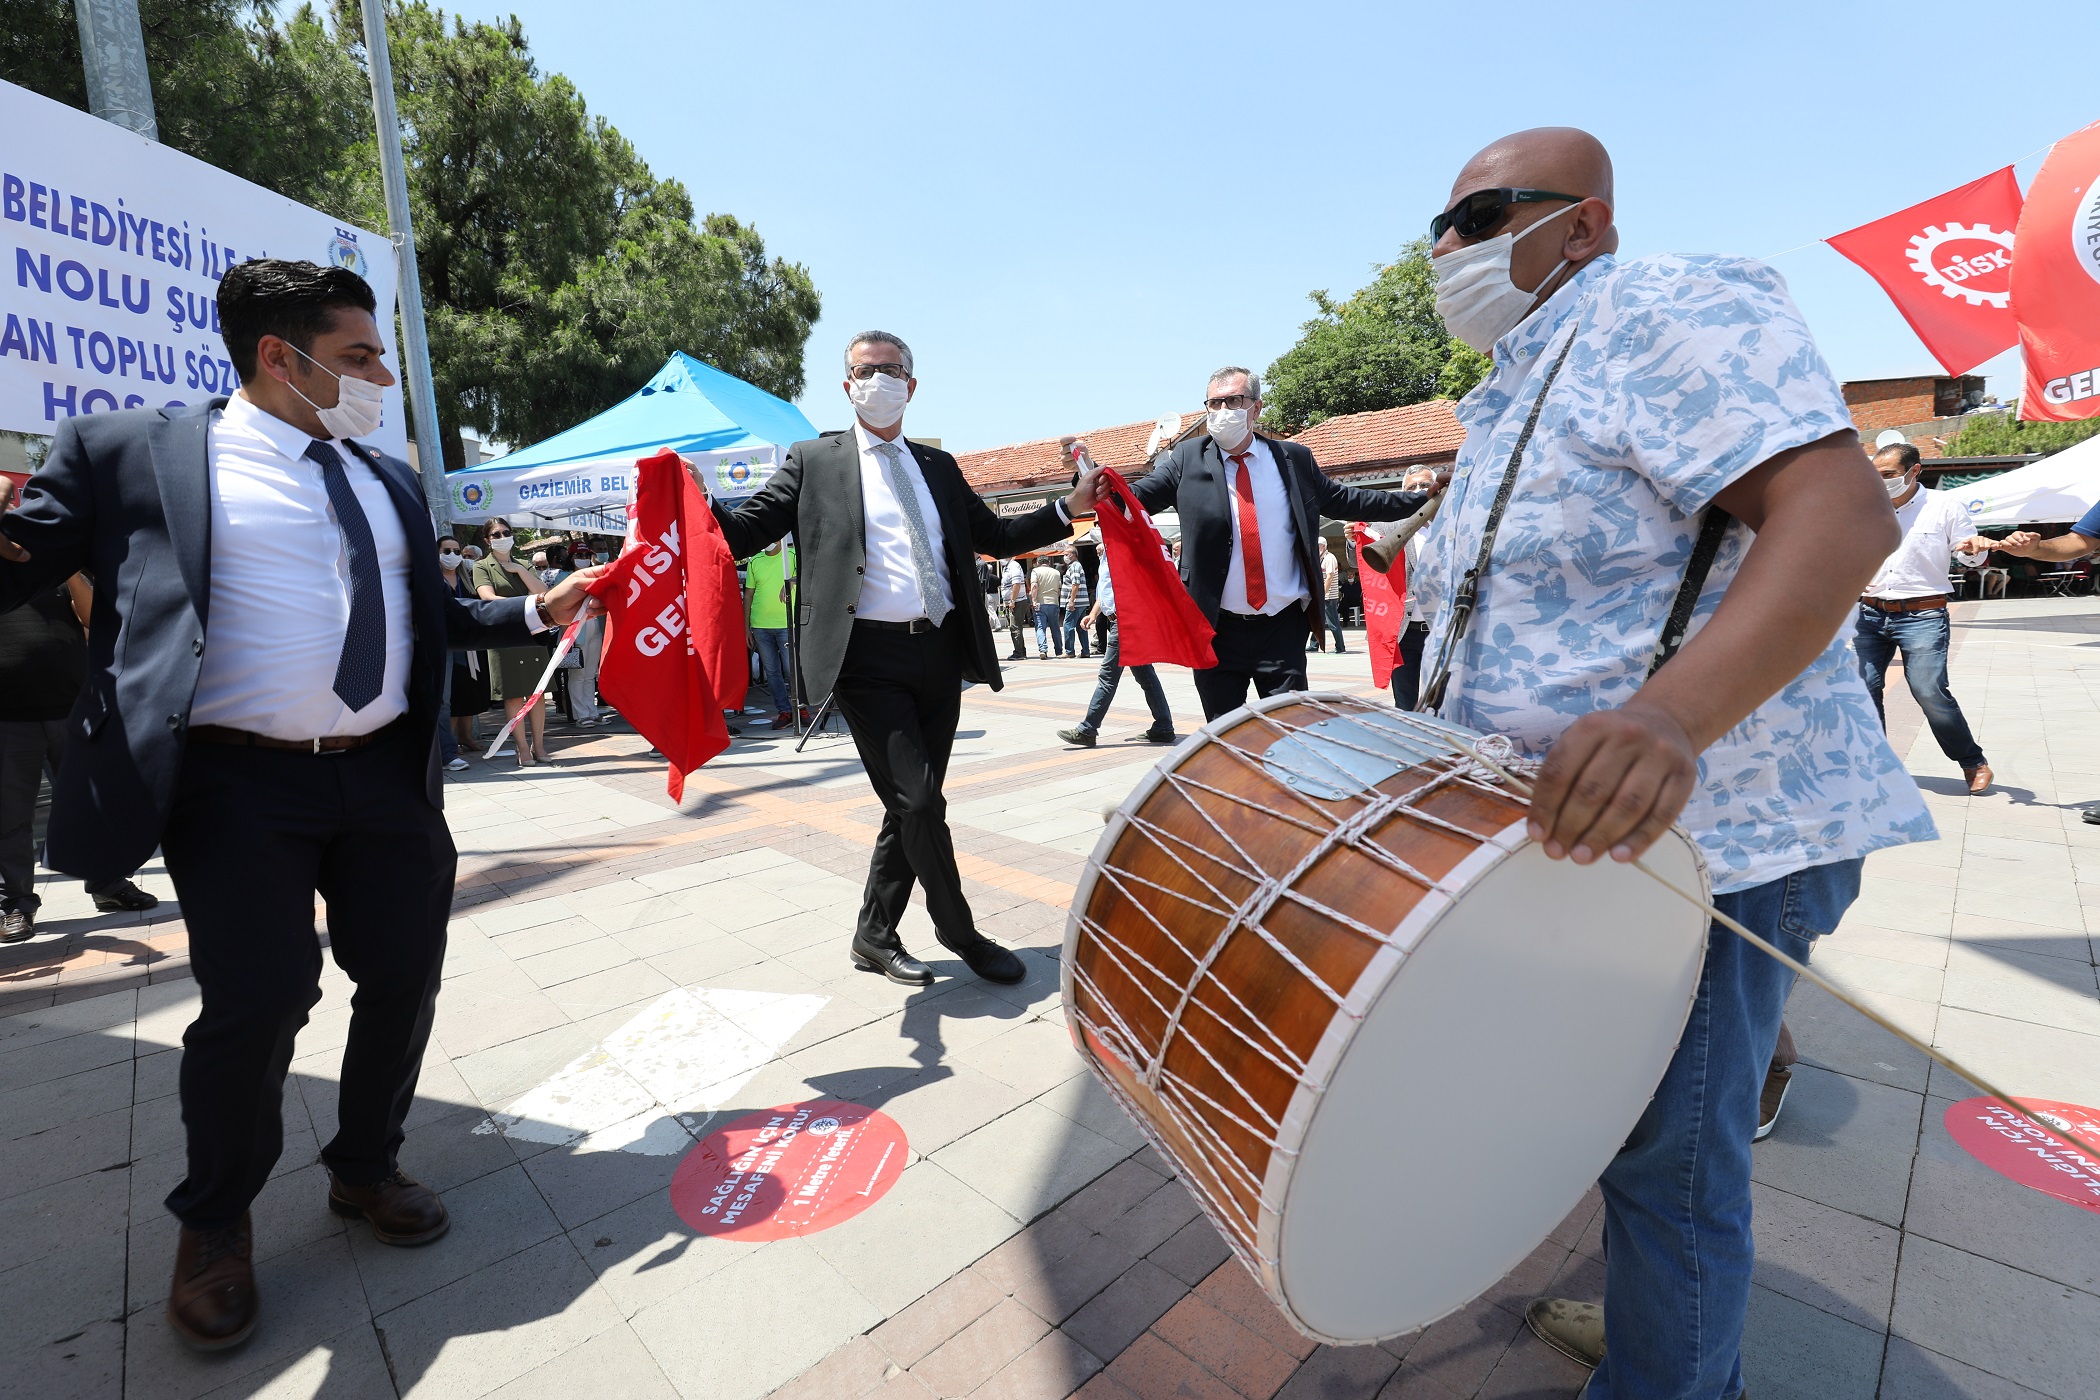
column 1062, row 513
column 532, row 615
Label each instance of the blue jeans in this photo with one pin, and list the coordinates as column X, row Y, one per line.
column 1677, row 1243
column 448, row 742
column 1112, row 677
column 1077, row 643
column 772, row 644
column 1050, row 617
column 1922, row 637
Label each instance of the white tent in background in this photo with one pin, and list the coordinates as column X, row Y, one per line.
column 2056, row 490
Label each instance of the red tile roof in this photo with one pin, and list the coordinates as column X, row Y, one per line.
column 1418, row 434
column 1041, row 463
column 1349, row 445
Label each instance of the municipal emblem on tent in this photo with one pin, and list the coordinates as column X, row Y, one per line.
column 470, row 495
column 344, row 252
column 735, row 473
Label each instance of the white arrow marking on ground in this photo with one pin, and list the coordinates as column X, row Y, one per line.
column 648, row 1086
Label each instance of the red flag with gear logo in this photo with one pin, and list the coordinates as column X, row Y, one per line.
column 2056, row 283
column 1383, row 605
column 674, row 622
column 1947, row 264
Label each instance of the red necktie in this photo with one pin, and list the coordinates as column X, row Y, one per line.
column 1250, row 534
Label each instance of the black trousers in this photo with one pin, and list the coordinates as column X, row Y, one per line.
column 1407, row 676
column 901, row 694
column 28, row 748
column 253, row 836
column 1267, row 652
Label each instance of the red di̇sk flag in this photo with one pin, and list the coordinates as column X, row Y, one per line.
column 1383, row 595
column 1947, row 264
column 674, row 626
column 2056, row 283
column 1156, row 620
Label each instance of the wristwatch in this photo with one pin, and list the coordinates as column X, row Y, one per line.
column 539, row 606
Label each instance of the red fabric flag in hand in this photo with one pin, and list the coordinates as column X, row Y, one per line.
column 1382, row 606
column 2056, row 283
column 674, row 625
column 1156, row 620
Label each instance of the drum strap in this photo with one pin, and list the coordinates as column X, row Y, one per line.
column 1468, row 595
column 1711, row 528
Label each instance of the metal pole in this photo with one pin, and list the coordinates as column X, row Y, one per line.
column 113, row 51
column 415, row 342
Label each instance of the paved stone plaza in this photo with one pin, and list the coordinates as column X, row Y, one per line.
column 1033, row 1247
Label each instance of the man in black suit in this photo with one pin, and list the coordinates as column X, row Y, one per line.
column 892, row 625
column 268, row 647
column 1250, row 509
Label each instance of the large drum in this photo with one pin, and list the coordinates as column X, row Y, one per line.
column 1386, row 1042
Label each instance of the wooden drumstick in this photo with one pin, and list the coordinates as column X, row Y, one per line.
column 1382, row 554
column 1803, row 970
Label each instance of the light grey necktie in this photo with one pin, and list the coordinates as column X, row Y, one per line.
column 915, row 525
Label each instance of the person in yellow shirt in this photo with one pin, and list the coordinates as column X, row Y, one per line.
column 766, row 589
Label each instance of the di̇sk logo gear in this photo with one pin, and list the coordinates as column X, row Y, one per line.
column 1954, row 277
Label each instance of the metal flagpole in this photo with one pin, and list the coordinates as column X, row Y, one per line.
column 415, row 342
column 113, row 53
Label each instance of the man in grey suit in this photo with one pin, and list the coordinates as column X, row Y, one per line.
column 892, row 625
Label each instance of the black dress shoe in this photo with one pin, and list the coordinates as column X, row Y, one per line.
column 991, row 962
column 891, row 961
column 121, row 896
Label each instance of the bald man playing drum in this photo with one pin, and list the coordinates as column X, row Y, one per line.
column 1683, row 463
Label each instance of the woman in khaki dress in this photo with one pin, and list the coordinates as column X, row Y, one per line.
column 513, row 671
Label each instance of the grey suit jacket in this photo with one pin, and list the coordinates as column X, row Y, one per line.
column 816, row 493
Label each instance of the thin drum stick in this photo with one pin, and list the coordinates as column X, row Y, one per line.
column 1801, row 969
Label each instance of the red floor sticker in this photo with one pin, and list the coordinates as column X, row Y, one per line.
column 792, row 1170
column 2013, row 1147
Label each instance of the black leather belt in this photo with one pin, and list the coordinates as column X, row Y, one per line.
column 917, row 624
column 221, row 734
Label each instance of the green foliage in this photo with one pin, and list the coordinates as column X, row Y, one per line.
column 558, row 272
column 1383, row 347
column 2002, row 435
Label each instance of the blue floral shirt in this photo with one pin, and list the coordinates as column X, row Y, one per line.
column 1685, row 373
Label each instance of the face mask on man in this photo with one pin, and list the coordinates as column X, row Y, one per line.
column 1227, row 426
column 449, row 559
column 357, row 407
column 879, row 399
column 1474, row 295
column 1896, row 485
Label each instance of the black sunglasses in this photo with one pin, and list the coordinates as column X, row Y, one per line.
column 1483, row 209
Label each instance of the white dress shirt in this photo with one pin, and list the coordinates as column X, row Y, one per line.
column 280, row 585
column 1272, row 515
column 889, row 591
column 1933, row 522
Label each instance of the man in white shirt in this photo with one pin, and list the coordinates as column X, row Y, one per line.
column 1250, row 509
column 1013, row 592
column 1905, row 608
column 270, row 637
column 889, row 534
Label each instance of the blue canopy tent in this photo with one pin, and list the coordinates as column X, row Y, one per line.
column 583, row 478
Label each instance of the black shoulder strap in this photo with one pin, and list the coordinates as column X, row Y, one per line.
column 1711, row 528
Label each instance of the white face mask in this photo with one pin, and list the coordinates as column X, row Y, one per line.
column 502, row 545
column 1896, row 485
column 1228, row 426
column 357, row 402
column 1474, row 295
column 448, row 559
column 879, row 399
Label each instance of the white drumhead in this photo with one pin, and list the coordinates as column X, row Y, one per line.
column 1487, row 1087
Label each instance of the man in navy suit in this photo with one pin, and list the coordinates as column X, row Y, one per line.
column 268, row 643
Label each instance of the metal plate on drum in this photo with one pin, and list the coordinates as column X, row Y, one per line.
column 1348, row 754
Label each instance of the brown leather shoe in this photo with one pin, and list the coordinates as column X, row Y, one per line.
column 1979, row 779
column 212, row 1301
column 402, row 1210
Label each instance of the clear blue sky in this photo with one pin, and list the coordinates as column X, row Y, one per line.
column 1074, row 211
